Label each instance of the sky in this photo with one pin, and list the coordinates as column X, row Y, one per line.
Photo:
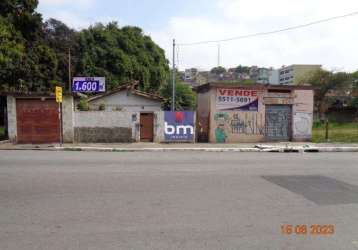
column 333, row 44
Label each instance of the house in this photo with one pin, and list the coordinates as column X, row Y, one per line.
column 126, row 98
column 229, row 113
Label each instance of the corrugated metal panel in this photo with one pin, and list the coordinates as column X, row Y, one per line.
column 278, row 122
column 37, row 121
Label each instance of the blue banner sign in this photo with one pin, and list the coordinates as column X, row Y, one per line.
column 89, row 84
column 179, row 126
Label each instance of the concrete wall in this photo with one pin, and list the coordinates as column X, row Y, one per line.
column 249, row 126
column 113, row 126
column 237, row 126
column 68, row 119
column 126, row 101
column 302, row 115
column 11, row 118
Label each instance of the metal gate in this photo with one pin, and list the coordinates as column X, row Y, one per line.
column 37, row 121
column 278, row 122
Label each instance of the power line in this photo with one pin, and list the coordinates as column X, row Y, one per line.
column 271, row 32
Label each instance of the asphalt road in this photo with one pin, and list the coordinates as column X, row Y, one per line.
column 83, row 200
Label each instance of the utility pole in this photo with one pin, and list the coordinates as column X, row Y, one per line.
column 173, row 73
column 69, row 71
column 219, row 55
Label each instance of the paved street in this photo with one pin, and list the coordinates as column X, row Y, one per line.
column 176, row 200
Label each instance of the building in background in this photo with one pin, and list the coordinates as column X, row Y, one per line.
column 260, row 75
column 293, row 74
column 274, row 78
column 190, row 74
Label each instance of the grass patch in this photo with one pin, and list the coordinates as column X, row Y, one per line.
column 337, row 132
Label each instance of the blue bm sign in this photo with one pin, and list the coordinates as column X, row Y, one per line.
column 179, row 126
column 89, row 84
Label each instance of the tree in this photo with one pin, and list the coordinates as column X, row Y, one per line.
column 185, row 98
column 355, row 80
column 61, row 39
column 122, row 54
column 34, row 55
column 218, row 70
column 11, row 51
column 28, row 63
column 22, row 14
column 242, row 69
column 326, row 81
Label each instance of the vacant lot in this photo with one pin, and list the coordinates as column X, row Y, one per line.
column 337, row 132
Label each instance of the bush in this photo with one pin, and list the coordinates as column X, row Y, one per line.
column 83, row 104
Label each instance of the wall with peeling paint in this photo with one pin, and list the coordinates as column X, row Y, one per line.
column 230, row 126
column 237, row 126
column 302, row 115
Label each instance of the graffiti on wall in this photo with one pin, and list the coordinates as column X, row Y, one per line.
column 278, row 122
column 302, row 125
column 237, row 123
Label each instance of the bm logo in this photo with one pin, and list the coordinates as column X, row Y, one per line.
column 178, row 126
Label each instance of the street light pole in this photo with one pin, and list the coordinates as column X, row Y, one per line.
column 69, row 71
column 173, row 75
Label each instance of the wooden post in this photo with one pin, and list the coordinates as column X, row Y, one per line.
column 327, row 126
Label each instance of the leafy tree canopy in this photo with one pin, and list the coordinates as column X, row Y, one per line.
column 34, row 54
column 242, row 69
column 325, row 81
column 185, row 97
column 218, row 70
column 121, row 54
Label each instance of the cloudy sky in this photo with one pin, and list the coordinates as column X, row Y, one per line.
column 333, row 44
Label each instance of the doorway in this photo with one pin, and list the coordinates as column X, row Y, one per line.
column 146, row 127
column 278, row 122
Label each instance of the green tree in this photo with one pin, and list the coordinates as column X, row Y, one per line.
column 31, row 65
column 185, row 97
column 122, row 54
column 325, row 81
column 61, row 39
column 11, row 51
column 355, row 80
column 34, row 55
column 218, row 70
column 22, row 14
column 242, row 69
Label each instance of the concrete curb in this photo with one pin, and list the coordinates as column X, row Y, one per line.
column 267, row 149
column 4, row 141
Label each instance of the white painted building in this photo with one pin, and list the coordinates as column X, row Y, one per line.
column 294, row 74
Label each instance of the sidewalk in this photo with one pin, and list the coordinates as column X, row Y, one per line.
column 206, row 147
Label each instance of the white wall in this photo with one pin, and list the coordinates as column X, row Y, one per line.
column 11, row 118
column 115, row 119
column 68, row 119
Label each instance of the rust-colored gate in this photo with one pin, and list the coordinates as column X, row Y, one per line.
column 37, row 121
column 146, row 127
